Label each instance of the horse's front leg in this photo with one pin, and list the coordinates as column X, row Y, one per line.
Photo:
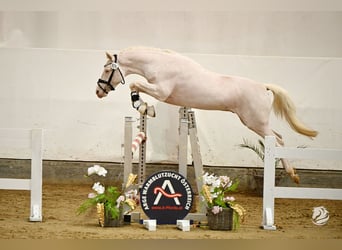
column 138, row 103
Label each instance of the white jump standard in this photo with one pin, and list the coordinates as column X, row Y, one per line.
column 187, row 129
column 271, row 191
column 130, row 146
column 32, row 140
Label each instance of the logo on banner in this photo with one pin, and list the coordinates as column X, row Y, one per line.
column 166, row 196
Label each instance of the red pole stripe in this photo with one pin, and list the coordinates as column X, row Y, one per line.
column 159, row 189
column 137, row 141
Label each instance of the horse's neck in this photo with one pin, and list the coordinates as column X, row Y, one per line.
column 135, row 61
column 145, row 61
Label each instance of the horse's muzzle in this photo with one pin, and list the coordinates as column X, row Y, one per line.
column 100, row 93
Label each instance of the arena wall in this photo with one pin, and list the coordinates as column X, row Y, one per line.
column 50, row 59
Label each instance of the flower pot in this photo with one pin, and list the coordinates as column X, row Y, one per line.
column 113, row 222
column 105, row 218
column 222, row 220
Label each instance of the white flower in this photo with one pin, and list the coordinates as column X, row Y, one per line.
column 228, row 199
column 216, row 183
column 131, row 194
column 119, row 200
column 98, row 188
column 216, row 209
column 209, row 179
column 97, row 169
column 91, row 195
column 225, row 181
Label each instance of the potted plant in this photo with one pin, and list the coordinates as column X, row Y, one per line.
column 223, row 213
column 111, row 202
column 259, row 150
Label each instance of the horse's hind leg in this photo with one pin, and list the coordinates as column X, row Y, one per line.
column 288, row 168
column 255, row 115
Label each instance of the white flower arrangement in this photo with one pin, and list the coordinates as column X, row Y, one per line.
column 97, row 169
column 98, row 188
column 112, row 198
column 216, row 194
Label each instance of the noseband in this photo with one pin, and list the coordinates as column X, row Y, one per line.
column 115, row 66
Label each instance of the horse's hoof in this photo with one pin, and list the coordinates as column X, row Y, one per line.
column 295, row 178
column 142, row 108
column 150, row 111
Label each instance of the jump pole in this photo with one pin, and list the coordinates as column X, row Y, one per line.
column 139, row 138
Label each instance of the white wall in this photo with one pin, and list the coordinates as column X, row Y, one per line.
column 51, row 58
column 54, row 90
column 266, row 33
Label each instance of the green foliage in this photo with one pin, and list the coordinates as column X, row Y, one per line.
column 108, row 198
column 258, row 149
column 112, row 198
column 233, row 187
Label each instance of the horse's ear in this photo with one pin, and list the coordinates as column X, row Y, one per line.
column 109, row 56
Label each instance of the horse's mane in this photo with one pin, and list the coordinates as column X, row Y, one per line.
column 148, row 49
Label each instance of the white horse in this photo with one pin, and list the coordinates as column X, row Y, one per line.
column 175, row 79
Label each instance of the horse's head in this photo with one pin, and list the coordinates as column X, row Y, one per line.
column 113, row 75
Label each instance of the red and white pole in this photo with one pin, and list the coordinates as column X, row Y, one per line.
column 140, row 137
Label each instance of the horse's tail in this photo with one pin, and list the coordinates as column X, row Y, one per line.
column 285, row 108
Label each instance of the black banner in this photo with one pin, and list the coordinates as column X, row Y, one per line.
column 166, row 196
